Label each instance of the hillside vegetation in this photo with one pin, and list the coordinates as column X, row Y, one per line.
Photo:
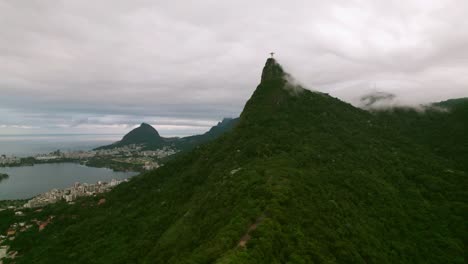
column 301, row 178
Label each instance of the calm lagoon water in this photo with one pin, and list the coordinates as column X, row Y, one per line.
column 28, row 181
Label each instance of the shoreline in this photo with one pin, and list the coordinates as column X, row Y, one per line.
column 87, row 175
column 70, row 194
column 76, row 161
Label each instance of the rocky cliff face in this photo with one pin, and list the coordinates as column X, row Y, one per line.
column 272, row 70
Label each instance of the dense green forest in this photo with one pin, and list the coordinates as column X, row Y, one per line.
column 443, row 127
column 301, row 178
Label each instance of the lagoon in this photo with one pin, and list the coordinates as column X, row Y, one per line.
column 29, row 181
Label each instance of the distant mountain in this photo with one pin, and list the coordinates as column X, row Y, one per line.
column 144, row 134
column 190, row 142
column 376, row 99
column 454, row 104
column 302, row 177
column 149, row 137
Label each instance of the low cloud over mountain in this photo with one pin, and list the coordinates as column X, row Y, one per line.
column 101, row 61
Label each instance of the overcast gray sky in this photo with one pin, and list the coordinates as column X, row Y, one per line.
column 83, row 66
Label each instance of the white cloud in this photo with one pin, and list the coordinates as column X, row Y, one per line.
column 118, row 63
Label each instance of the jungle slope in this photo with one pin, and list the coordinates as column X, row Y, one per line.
column 302, row 178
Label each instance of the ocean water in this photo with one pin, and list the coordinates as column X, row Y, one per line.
column 28, row 145
column 28, row 181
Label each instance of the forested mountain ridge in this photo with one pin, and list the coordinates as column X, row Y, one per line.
column 442, row 126
column 149, row 138
column 187, row 143
column 302, row 178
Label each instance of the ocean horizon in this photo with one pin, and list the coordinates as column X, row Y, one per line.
column 23, row 145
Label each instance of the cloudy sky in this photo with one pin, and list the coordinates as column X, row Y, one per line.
column 83, row 66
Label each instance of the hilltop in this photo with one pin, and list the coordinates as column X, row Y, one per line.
column 301, row 178
column 144, row 134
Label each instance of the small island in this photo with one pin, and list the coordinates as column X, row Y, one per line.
column 3, row 176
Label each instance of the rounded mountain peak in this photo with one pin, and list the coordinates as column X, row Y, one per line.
column 272, row 70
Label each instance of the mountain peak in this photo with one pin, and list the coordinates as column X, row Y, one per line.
column 272, row 70
column 145, row 134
